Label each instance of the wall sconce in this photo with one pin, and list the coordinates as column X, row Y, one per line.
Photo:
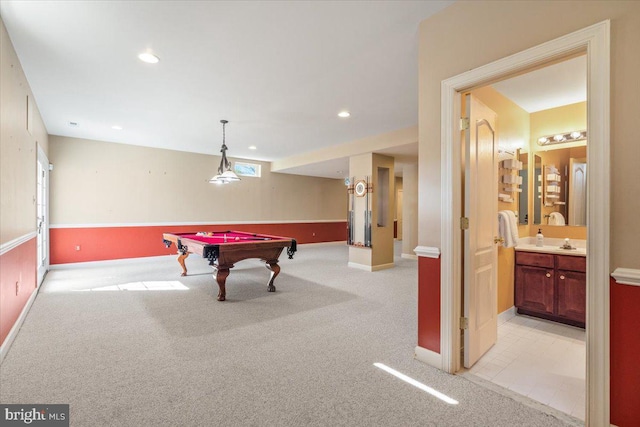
column 576, row 135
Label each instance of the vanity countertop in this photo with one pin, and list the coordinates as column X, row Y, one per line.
column 547, row 249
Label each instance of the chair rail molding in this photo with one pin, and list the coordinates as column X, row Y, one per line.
column 427, row 251
column 627, row 276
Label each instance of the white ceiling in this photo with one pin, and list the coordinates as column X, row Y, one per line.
column 279, row 71
column 560, row 84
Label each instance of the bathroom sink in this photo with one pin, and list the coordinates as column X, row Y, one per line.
column 551, row 249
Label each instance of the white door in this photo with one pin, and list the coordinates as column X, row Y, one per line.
column 480, row 250
column 42, row 213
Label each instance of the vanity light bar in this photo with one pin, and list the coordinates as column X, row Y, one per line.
column 576, row 135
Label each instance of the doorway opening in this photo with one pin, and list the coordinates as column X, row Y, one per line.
column 532, row 340
column 595, row 41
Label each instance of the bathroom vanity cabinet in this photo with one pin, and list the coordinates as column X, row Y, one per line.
column 552, row 287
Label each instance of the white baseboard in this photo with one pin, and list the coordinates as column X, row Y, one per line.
column 409, row 256
column 333, row 242
column 429, row 357
column 124, row 261
column 382, row 266
column 108, row 262
column 359, row 266
column 370, row 267
column 506, row 315
column 13, row 333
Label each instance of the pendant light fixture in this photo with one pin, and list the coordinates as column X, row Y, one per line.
column 225, row 173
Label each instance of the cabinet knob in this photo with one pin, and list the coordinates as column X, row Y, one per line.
column 548, row 274
column 562, row 277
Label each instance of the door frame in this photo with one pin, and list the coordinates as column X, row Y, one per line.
column 595, row 41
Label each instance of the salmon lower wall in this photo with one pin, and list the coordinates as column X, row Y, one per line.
column 108, row 243
column 429, row 303
column 624, row 351
column 18, row 280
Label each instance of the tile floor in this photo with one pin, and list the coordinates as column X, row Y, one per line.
column 542, row 360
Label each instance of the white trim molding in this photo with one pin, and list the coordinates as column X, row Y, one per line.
column 409, row 256
column 180, row 224
column 427, row 251
column 12, row 244
column 382, row 266
column 429, row 357
column 627, row 276
column 6, row 345
column 506, row 315
column 333, row 242
column 595, row 41
column 359, row 266
column 370, row 267
column 108, row 262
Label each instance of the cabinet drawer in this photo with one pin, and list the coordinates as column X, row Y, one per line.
column 534, row 259
column 573, row 263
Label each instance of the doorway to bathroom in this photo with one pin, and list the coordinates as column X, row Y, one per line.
column 593, row 40
column 523, row 342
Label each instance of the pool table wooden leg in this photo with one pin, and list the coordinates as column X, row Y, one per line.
column 221, row 278
column 275, row 270
column 181, row 258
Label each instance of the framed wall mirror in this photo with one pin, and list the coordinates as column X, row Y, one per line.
column 560, row 187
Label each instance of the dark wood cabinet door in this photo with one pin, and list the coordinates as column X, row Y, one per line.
column 572, row 295
column 534, row 289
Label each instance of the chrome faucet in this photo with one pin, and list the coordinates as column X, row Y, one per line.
column 566, row 244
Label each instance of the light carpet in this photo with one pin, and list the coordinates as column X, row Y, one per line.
column 302, row 356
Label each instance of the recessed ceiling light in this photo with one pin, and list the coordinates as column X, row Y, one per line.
column 116, row 127
column 148, row 57
column 74, row 124
column 344, row 114
column 253, row 147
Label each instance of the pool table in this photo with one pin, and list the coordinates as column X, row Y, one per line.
column 224, row 248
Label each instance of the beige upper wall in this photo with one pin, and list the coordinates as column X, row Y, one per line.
column 361, row 146
column 105, row 183
column 512, row 122
column 409, row 209
column 558, row 120
column 18, row 146
column 450, row 44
